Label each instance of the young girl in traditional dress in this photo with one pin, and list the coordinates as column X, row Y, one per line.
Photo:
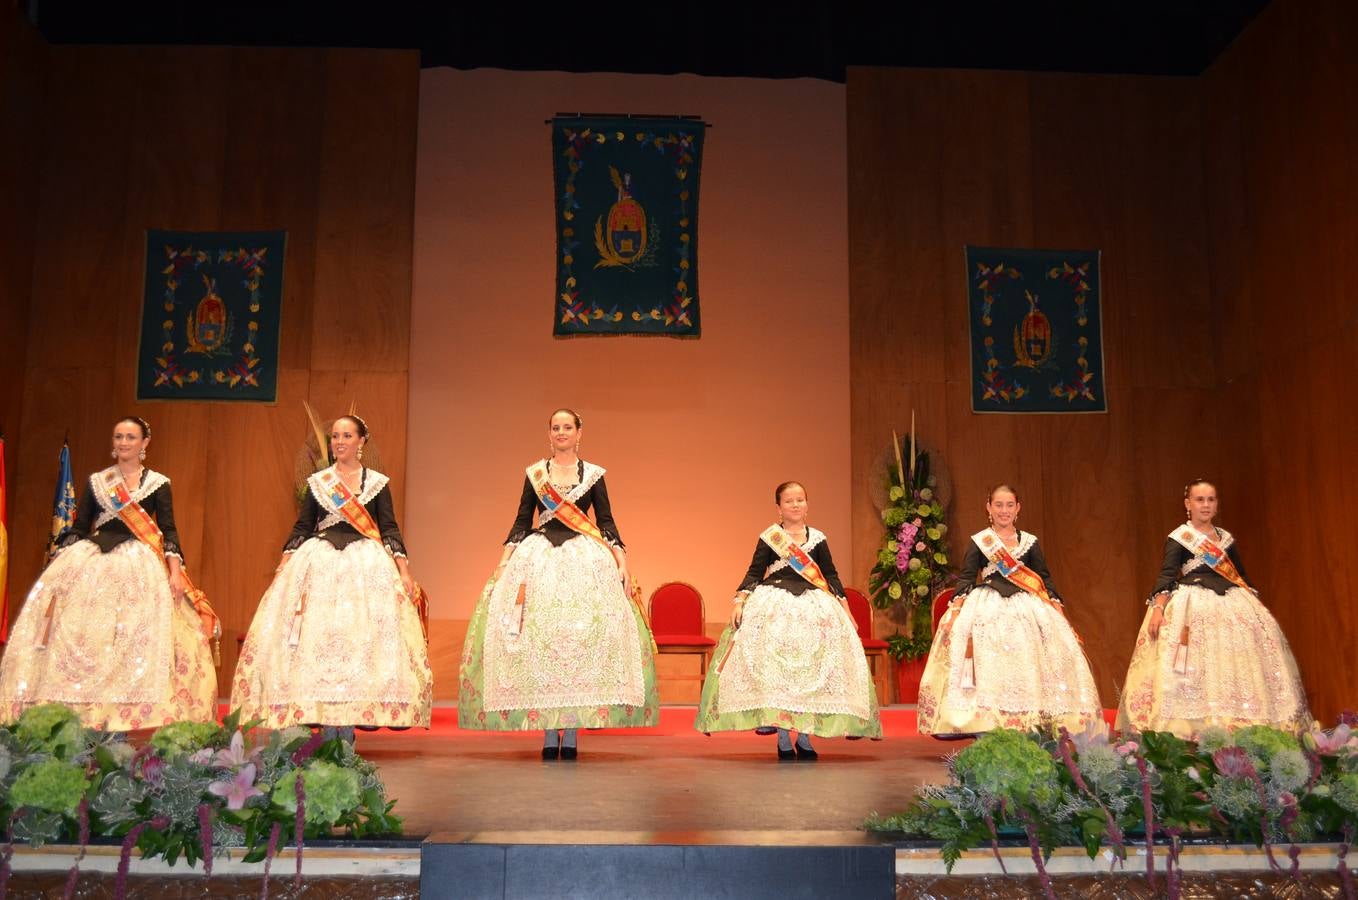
column 791, row 659
column 337, row 639
column 114, row 628
column 556, row 641
column 1005, row 656
column 1208, row 652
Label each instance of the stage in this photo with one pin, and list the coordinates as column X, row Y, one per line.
column 667, row 778
column 666, row 812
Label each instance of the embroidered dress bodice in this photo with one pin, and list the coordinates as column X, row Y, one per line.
column 979, row 571
column 97, row 521
column 766, row 567
column 590, row 492
column 1181, row 567
column 320, row 518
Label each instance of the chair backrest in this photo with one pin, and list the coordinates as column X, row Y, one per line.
column 677, row 608
column 861, row 610
column 941, row 604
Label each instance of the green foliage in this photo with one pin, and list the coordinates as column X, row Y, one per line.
column 48, row 763
column 1010, row 766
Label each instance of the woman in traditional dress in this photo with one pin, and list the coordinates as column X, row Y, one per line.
column 114, row 628
column 556, row 642
column 1004, row 655
column 337, row 639
column 1208, row 652
column 791, row 659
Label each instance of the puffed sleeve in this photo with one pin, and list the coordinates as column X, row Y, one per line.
column 1169, row 569
column 821, row 554
column 523, row 522
column 1038, row 563
column 85, row 510
column 603, row 515
column 1239, row 566
column 385, row 515
column 971, row 564
column 759, row 564
column 306, row 523
column 164, row 508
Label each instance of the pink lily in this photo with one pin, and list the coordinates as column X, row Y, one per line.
column 235, row 755
column 1329, row 744
column 237, row 789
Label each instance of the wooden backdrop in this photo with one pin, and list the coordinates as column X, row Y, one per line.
column 318, row 142
column 1282, row 194
column 942, row 159
column 1227, row 210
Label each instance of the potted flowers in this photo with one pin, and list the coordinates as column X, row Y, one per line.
column 912, row 563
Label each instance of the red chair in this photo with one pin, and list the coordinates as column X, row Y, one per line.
column 679, row 624
column 941, row 604
column 873, row 648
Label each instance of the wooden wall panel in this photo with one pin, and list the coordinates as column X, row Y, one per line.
column 361, row 317
column 215, row 138
column 270, row 177
column 939, row 160
column 1283, row 199
column 23, row 76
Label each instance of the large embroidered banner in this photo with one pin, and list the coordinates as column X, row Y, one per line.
column 627, row 225
column 210, row 314
column 1036, row 331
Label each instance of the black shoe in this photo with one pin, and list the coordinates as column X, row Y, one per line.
column 806, row 753
column 766, row 730
column 784, row 755
column 960, row 736
column 368, row 727
column 569, row 753
column 550, row 752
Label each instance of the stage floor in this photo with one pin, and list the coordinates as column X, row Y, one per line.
column 669, row 778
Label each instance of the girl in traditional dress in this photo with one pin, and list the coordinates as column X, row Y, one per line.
column 1004, row 655
column 791, row 659
column 556, row 642
column 1209, row 653
column 337, row 639
column 114, row 628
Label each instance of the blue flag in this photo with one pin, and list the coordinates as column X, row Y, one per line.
column 63, row 504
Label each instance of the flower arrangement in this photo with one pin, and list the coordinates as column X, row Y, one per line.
column 913, row 560
column 1256, row 784
column 195, row 790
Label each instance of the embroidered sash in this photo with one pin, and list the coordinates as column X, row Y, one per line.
column 1018, row 573
column 797, row 558
column 1213, row 555
column 346, row 504
column 144, row 528
column 1210, row 552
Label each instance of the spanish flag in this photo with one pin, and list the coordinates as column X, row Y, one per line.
column 4, row 551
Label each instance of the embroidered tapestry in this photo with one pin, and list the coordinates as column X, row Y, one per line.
column 210, row 316
column 627, row 225
column 1036, row 331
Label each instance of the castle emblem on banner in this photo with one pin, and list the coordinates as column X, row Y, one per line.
column 211, row 310
column 1036, row 330
column 627, row 224
column 623, row 242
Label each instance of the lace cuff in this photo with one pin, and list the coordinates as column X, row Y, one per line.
column 1153, row 594
column 295, row 543
column 395, row 547
column 516, row 537
column 67, row 538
